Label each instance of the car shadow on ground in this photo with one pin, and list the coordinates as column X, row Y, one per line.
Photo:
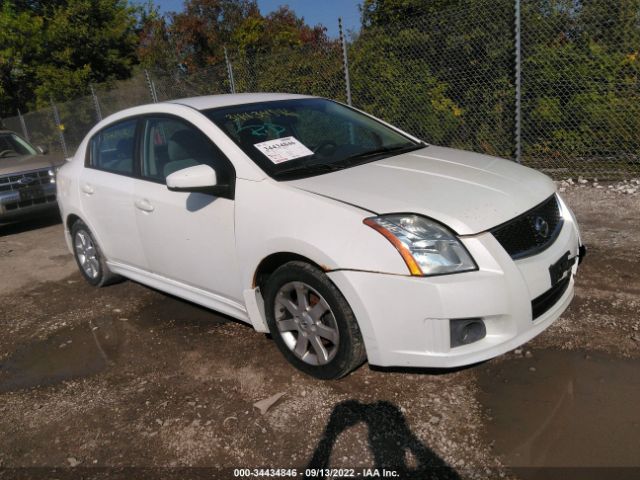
column 392, row 443
column 34, row 223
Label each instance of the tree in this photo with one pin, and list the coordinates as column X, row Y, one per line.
column 581, row 77
column 55, row 49
column 401, row 88
column 381, row 13
column 86, row 41
column 205, row 26
column 452, row 60
column 265, row 47
column 20, row 50
column 156, row 46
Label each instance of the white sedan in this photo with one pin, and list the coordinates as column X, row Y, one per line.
column 346, row 238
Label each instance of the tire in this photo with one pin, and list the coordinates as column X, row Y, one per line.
column 311, row 322
column 89, row 257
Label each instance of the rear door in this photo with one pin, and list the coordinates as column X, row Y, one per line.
column 187, row 237
column 106, row 189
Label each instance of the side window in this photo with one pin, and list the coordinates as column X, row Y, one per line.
column 171, row 145
column 112, row 148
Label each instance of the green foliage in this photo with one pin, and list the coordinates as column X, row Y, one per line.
column 382, row 13
column 581, row 79
column 55, row 49
column 444, row 70
column 20, row 50
column 156, row 48
column 401, row 89
column 200, row 32
column 195, row 38
column 314, row 71
column 440, row 76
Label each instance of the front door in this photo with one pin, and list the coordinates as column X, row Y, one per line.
column 188, row 237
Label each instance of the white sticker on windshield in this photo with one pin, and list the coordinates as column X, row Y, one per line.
column 283, row 149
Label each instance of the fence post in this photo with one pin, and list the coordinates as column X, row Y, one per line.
column 518, row 79
column 151, row 85
column 232, row 83
column 56, row 118
column 25, row 132
column 96, row 104
column 345, row 62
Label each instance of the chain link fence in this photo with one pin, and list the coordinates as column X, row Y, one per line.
column 553, row 84
column 313, row 71
column 212, row 80
column 446, row 78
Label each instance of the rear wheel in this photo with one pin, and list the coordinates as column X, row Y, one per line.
column 311, row 322
column 89, row 258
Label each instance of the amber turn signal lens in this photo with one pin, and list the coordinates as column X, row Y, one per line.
column 414, row 268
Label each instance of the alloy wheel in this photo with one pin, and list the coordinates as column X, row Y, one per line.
column 306, row 323
column 87, row 254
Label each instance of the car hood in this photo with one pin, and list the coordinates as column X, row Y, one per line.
column 24, row 163
column 469, row 192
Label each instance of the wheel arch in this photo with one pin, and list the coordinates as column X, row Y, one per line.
column 272, row 262
column 71, row 219
column 253, row 297
column 68, row 221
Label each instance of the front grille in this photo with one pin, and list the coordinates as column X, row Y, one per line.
column 29, row 203
column 548, row 299
column 531, row 232
column 33, row 178
column 29, row 185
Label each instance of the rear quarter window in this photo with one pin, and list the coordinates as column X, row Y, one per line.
column 112, row 148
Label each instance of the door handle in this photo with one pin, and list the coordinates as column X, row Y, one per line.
column 144, row 205
column 88, row 189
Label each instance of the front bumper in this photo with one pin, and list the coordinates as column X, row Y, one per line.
column 13, row 206
column 404, row 320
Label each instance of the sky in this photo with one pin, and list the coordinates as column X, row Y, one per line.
column 325, row 12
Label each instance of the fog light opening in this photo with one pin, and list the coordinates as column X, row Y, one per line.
column 466, row 330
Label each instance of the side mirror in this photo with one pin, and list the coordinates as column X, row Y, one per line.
column 201, row 179
column 42, row 150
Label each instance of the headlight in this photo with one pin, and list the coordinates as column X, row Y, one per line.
column 427, row 247
column 53, row 171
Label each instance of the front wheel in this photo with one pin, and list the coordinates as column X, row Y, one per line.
column 311, row 322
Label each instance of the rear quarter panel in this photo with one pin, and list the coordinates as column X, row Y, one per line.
column 68, row 192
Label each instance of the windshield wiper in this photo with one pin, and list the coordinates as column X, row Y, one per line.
column 311, row 168
column 317, row 168
column 381, row 151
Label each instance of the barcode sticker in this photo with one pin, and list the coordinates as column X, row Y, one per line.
column 283, row 149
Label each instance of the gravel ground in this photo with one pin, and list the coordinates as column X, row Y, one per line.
column 128, row 377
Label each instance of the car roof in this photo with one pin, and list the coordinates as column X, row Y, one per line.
column 227, row 100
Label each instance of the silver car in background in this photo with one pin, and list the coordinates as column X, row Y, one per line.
column 27, row 178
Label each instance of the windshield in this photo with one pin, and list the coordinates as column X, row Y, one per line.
column 11, row 145
column 300, row 138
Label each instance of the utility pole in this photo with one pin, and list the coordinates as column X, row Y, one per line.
column 232, row 83
column 345, row 62
column 518, row 80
